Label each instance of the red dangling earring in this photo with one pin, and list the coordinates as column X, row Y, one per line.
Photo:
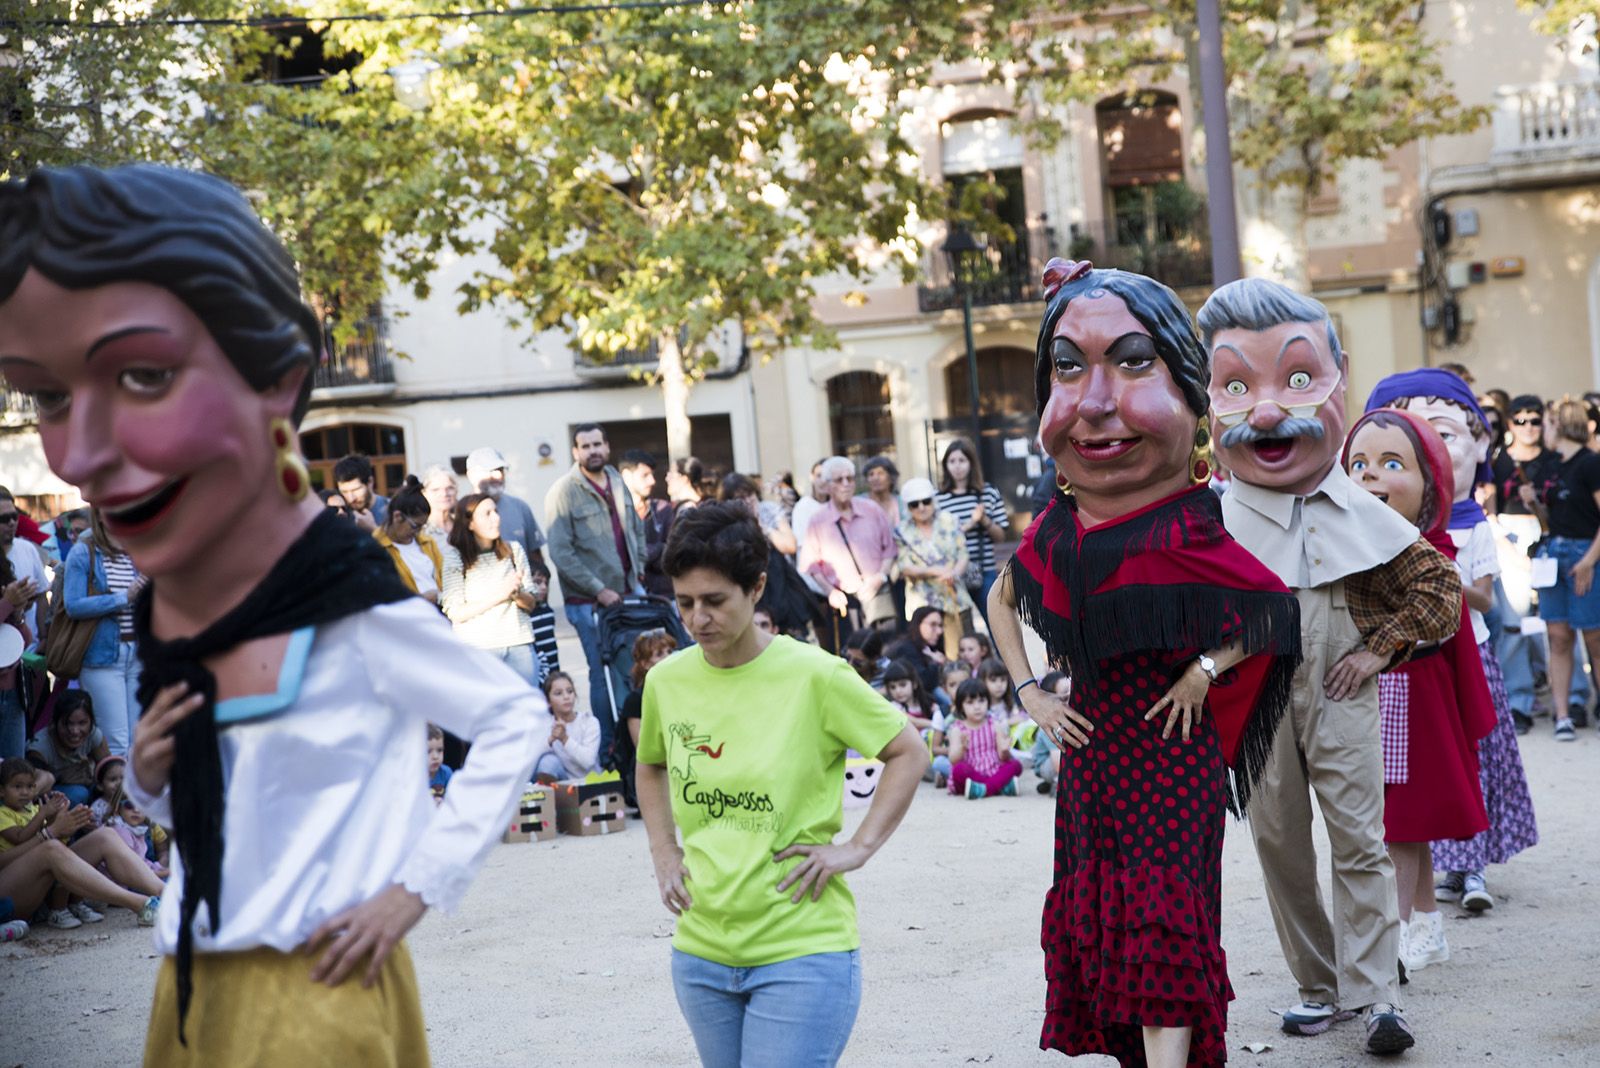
column 1200, row 458
column 294, row 480
column 1062, row 485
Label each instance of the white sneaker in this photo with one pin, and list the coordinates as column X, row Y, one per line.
column 82, row 910
column 64, row 920
column 13, row 931
column 1427, row 943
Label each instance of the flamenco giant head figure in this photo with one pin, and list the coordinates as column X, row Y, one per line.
column 1121, row 382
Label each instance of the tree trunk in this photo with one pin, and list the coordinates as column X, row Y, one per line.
column 674, row 394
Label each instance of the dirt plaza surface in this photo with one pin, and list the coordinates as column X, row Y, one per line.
column 560, row 954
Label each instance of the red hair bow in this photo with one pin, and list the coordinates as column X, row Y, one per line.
column 1058, row 272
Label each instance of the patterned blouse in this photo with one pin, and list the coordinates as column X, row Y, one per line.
column 941, row 547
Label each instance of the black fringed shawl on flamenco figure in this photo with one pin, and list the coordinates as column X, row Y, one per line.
column 1166, row 577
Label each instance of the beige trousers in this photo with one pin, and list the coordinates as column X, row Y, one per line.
column 1331, row 748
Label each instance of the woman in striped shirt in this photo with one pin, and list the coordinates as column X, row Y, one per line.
column 980, row 512
column 488, row 588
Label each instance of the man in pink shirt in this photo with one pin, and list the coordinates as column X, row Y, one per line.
column 848, row 547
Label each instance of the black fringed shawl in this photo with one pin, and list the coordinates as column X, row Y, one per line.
column 1166, row 577
column 331, row 571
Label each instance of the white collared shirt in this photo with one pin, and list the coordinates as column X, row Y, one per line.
column 1336, row 531
column 327, row 798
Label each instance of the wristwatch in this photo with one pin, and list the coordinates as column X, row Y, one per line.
column 1208, row 665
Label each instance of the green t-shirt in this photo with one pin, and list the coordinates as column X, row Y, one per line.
column 755, row 758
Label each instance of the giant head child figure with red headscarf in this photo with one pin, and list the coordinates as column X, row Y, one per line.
column 1370, row 588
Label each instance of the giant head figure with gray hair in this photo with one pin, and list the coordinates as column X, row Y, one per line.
column 1277, row 384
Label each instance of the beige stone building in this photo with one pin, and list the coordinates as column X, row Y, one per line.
column 1513, row 292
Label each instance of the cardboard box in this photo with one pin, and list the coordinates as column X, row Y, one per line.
column 534, row 819
column 594, row 806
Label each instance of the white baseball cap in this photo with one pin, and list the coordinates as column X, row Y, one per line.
column 485, row 459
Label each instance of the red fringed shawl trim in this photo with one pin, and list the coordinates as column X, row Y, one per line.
column 1166, row 578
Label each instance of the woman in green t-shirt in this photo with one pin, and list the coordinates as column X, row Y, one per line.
column 742, row 749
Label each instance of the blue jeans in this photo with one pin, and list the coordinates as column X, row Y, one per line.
column 794, row 1014
column 522, row 659
column 550, row 764
column 114, row 689
column 587, row 624
column 13, row 725
column 77, row 795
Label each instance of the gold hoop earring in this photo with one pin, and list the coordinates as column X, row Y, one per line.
column 294, row 480
column 1062, row 485
column 1200, row 457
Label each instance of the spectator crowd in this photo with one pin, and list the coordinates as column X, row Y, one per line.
column 892, row 574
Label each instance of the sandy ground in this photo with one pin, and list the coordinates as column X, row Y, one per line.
column 559, row 955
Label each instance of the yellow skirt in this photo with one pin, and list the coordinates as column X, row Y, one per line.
column 259, row 1007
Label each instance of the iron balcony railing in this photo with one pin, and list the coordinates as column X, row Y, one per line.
column 363, row 361
column 19, row 409
column 998, row 274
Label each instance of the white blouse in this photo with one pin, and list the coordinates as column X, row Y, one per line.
column 327, row 799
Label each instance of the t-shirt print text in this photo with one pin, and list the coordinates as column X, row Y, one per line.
column 743, row 810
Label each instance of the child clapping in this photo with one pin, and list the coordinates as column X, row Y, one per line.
column 574, row 738
column 981, row 763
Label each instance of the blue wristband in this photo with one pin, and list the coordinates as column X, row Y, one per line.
column 1026, row 682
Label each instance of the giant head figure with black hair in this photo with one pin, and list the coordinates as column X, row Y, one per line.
column 158, row 325
column 1121, row 385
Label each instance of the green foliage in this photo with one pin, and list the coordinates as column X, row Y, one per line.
column 1311, row 83
column 1560, row 16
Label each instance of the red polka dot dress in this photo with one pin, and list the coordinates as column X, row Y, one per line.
column 1132, row 921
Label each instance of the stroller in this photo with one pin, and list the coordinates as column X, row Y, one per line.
column 618, row 626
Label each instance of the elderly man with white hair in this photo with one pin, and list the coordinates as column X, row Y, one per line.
column 848, row 547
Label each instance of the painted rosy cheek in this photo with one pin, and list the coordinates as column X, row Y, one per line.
column 1059, row 413
column 210, row 427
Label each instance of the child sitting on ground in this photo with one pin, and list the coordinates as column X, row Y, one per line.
column 134, row 827
column 574, row 738
column 1045, row 755
column 973, row 650
column 108, row 776
column 951, row 676
column 1003, row 704
column 37, row 832
column 981, row 763
column 904, row 690
column 438, row 774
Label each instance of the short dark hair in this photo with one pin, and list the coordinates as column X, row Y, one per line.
column 353, row 468
column 720, row 536
column 866, row 640
column 631, row 459
column 883, row 462
column 584, row 428
column 1050, row 681
column 737, row 485
column 1527, row 402
column 11, row 767
column 966, row 692
column 435, row 733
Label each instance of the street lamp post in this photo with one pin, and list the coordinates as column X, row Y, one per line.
column 962, row 249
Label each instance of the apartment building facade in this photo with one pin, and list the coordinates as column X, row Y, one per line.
column 1482, row 249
